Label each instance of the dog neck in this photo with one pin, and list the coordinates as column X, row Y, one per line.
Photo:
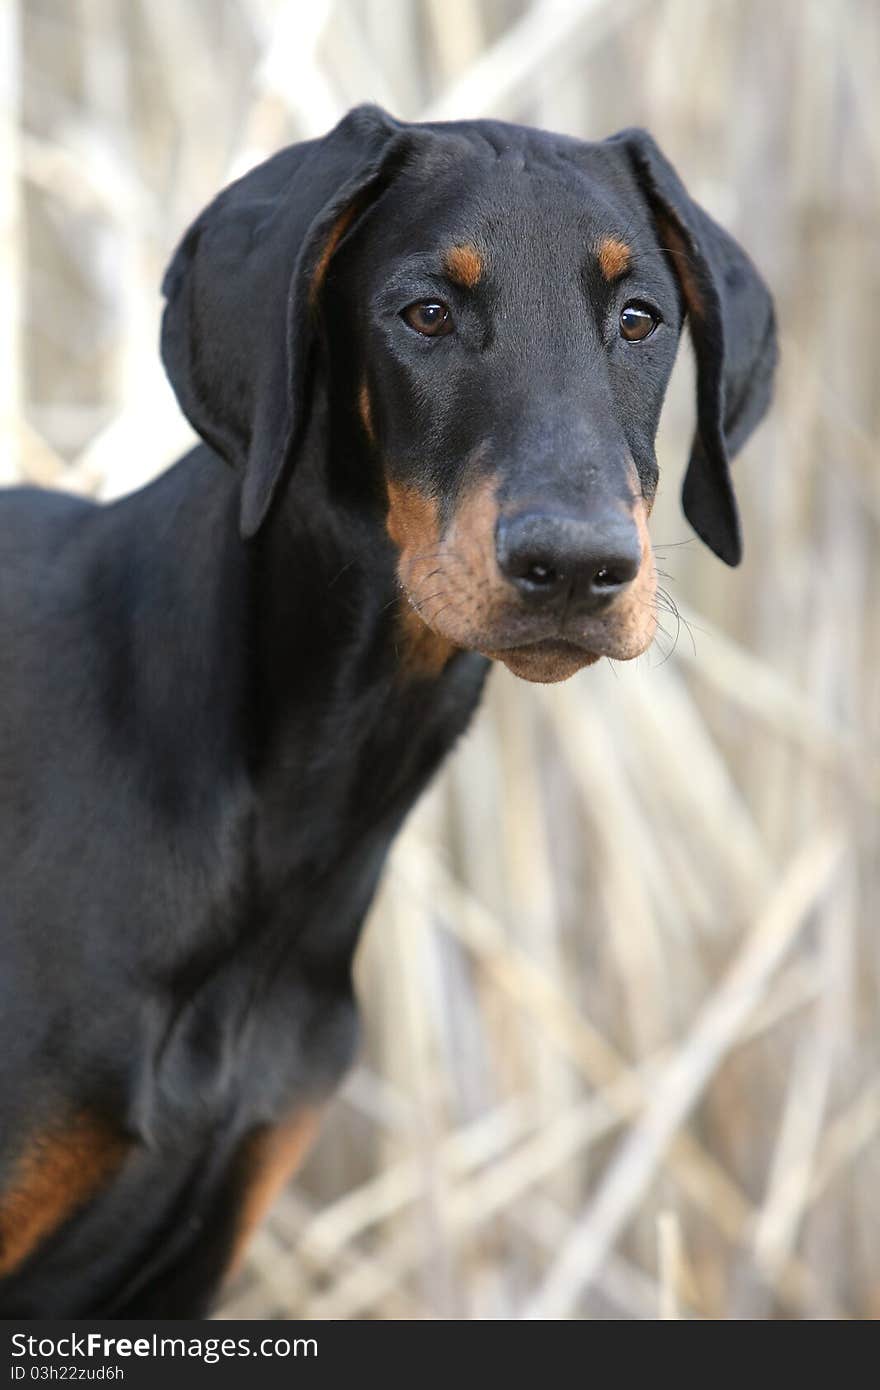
column 279, row 772
column 350, row 719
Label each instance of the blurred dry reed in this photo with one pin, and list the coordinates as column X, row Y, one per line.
column 620, row 990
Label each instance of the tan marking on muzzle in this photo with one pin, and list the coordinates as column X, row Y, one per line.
column 464, row 265
column 414, row 526
column 613, row 256
column 56, row 1174
column 452, row 580
column 272, row 1156
column 632, row 619
column 457, row 590
column 413, row 521
column 424, row 653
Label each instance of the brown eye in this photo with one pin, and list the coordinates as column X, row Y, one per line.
column 430, row 317
column 637, row 322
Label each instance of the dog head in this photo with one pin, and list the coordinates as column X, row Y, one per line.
column 504, row 307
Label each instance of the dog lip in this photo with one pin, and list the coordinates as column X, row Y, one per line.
column 549, row 647
column 546, row 661
column 541, row 644
column 549, row 638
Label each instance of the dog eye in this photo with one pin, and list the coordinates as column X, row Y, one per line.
column 637, row 322
column 430, row 317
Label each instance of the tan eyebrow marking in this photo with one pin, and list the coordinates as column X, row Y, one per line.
column 463, row 264
column 614, row 257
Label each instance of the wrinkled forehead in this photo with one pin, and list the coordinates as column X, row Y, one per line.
column 498, row 213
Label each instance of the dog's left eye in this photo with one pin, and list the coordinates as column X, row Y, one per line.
column 430, row 317
column 637, row 321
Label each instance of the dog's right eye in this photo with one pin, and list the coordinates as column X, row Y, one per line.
column 430, row 317
column 637, row 321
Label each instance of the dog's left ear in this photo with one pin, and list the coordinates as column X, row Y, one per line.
column 733, row 329
column 242, row 289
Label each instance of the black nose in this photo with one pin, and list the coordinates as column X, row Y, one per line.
column 588, row 561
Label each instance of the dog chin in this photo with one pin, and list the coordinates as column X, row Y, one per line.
column 545, row 663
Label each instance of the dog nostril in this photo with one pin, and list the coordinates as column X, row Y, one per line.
column 541, row 574
column 610, row 577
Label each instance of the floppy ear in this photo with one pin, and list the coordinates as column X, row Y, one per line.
column 733, row 329
column 238, row 327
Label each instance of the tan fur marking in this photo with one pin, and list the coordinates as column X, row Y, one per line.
column 614, row 257
column 452, row 581
column 425, row 652
column 676, row 247
column 273, row 1154
column 413, row 522
column 458, row 594
column 635, row 616
column 464, row 265
column 365, row 410
column 57, row 1172
column 334, row 236
column 414, row 527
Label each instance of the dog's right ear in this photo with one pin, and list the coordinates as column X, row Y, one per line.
column 242, row 289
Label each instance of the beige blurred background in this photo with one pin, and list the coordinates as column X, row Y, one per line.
column 620, row 990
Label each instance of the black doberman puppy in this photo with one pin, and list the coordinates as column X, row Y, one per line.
column 427, row 362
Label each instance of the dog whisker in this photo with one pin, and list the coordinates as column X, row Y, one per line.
column 345, row 568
